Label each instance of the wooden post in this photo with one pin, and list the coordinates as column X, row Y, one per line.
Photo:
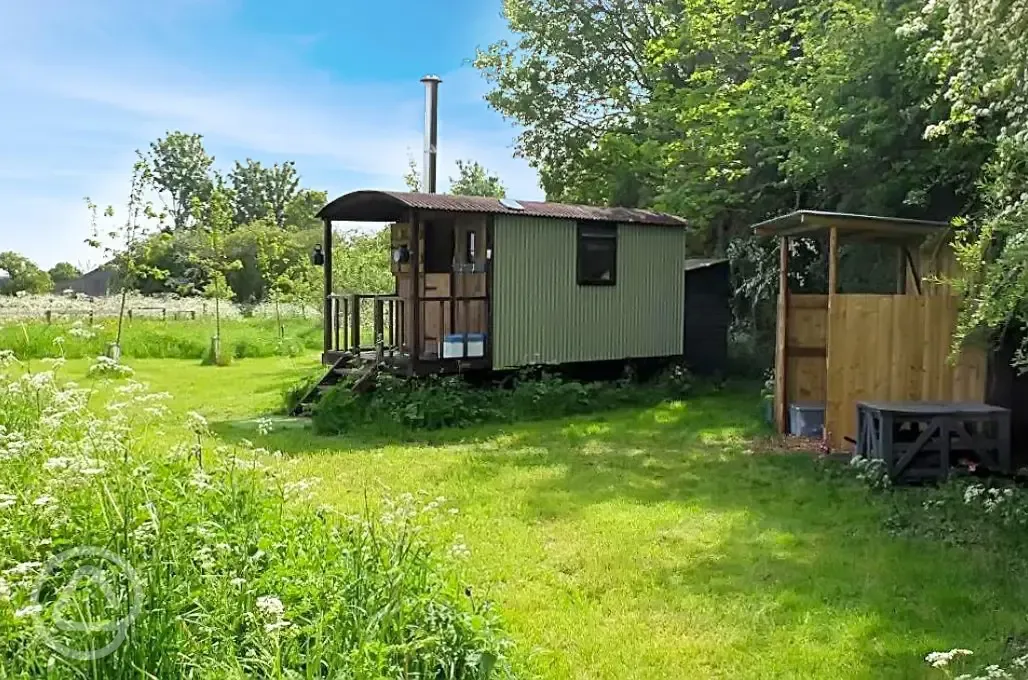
column 326, row 249
column 335, row 321
column 833, row 264
column 833, row 438
column 379, row 354
column 355, row 323
column 455, row 262
column 49, row 315
column 415, row 268
column 782, row 338
column 901, row 269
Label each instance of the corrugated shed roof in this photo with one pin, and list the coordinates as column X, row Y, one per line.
column 393, row 205
column 701, row 262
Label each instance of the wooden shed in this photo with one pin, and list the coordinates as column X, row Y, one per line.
column 708, row 315
column 490, row 284
column 839, row 348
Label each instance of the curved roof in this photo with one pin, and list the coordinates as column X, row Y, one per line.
column 387, row 206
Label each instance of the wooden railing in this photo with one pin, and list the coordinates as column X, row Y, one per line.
column 389, row 331
column 350, row 312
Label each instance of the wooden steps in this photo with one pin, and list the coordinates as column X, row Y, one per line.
column 363, row 375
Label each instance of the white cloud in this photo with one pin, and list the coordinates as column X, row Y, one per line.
column 82, row 112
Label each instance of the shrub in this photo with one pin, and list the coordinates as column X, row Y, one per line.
column 191, row 560
column 438, row 402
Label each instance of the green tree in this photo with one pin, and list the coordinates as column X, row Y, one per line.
column 23, row 275
column 264, row 192
column 474, row 180
column 302, row 211
column 214, row 220
column 127, row 245
column 360, row 262
column 180, row 170
column 412, row 178
column 978, row 52
column 62, row 273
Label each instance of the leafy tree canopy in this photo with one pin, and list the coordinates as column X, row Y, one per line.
column 62, row 273
column 23, row 275
column 474, row 180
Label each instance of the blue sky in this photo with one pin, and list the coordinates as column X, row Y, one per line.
column 331, row 84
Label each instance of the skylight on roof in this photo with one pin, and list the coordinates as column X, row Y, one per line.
column 511, row 204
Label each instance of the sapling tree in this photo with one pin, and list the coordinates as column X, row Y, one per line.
column 210, row 259
column 126, row 246
column 271, row 255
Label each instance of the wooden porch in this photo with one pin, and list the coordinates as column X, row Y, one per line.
column 389, row 341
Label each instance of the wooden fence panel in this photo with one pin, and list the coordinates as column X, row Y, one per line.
column 807, row 346
column 895, row 347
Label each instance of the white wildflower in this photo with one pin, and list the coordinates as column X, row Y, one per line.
column 459, row 550
column 196, row 422
column 265, row 426
column 943, row 659
column 43, row 501
column 26, row 612
column 7, row 501
column 237, row 582
column 200, row 480
column 23, row 568
column 300, row 489
column 274, row 626
column 270, row 607
column 5, row 591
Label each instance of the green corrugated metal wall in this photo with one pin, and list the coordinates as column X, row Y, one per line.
column 541, row 315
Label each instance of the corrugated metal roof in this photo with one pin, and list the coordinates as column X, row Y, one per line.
column 392, row 205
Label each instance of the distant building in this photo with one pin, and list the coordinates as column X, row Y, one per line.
column 95, row 283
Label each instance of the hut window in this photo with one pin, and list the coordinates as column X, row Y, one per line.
column 597, row 254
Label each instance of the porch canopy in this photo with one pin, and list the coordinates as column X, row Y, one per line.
column 850, row 226
column 394, row 206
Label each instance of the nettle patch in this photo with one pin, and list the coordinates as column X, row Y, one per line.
column 120, row 556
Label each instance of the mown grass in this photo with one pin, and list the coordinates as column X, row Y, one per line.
column 158, row 339
column 660, row 542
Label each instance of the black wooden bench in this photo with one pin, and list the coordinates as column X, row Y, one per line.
column 920, row 440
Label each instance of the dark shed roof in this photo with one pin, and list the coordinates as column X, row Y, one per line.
column 385, row 206
column 805, row 221
column 694, row 263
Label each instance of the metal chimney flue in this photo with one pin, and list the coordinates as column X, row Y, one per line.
column 428, row 181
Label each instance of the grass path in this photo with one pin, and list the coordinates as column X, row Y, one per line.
column 652, row 543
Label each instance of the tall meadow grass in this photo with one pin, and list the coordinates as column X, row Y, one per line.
column 160, row 339
column 187, row 559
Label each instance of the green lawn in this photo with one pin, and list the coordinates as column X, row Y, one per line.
column 654, row 542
